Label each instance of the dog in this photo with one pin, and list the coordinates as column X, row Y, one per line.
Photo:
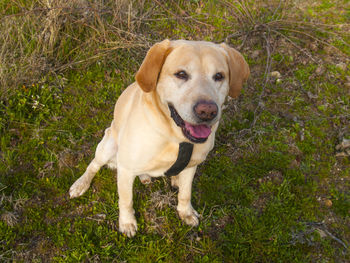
column 165, row 122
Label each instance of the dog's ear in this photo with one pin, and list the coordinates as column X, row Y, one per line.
column 148, row 73
column 239, row 70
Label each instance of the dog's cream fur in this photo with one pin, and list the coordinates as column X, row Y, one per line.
column 143, row 139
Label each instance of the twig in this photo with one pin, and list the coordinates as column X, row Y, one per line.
column 241, row 15
column 277, row 8
column 311, row 36
column 246, row 10
column 295, row 45
column 191, row 17
column 335, row 238
column 304, row 23
column 266, row 76
column 321, row 226
column 244, row 40
column 233, row 36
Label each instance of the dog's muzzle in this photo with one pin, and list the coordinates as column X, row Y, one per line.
column 195, row 133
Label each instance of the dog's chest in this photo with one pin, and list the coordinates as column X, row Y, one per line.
column 168, row 155
column 200, row 152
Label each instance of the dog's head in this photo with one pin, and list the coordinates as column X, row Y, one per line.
column 193, row 78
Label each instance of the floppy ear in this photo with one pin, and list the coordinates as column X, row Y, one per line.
column 239, row 70
column 147, row 75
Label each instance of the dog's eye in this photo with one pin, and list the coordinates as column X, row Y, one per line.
column 182, row 75
column 218, row 76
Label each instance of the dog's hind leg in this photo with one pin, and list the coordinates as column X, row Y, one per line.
column 106, row 151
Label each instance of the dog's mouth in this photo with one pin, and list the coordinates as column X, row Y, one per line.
column 195, row 133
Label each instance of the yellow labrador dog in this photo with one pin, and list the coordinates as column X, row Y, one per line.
column 165, row 122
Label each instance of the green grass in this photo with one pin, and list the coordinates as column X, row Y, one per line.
column 272, row 189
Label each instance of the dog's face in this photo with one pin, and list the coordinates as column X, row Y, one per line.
column 193, row 79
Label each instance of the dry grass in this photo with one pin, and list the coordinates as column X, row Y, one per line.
column 13, row 204
column 158, row 202
column 50, row 36
column 287, row 20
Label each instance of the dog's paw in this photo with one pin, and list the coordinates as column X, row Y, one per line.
column 79, row 187
column 145, row 179
column 128, row 227
column 189, row 216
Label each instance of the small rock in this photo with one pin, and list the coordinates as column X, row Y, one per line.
column 341, row 66
column 275, row 74
column 328, row 203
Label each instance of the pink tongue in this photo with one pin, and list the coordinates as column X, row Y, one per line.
column 198, row 131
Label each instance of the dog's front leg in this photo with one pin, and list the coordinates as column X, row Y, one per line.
column 127, row 221
column 184, row 207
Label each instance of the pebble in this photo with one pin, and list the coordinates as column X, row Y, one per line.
column 328, row 203
column 275, row 74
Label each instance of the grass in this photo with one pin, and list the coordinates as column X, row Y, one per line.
column 272, row 190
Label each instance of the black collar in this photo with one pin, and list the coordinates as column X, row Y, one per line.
column 183, row 158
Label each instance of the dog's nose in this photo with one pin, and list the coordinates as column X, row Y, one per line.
column 205, row 110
